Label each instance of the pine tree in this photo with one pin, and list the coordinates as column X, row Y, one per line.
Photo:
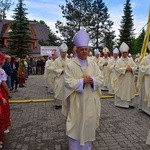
column 127, row 31
column 20, row 36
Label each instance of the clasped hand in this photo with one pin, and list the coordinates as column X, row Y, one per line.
column 87, row 80
column 129, row 69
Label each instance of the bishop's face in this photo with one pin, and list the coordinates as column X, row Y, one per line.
column 82, row 52
column 115, row 55
column 124, row 54
column 63, row 54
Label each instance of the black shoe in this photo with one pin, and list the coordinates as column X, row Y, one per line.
column 131, row 106
column 58, row 106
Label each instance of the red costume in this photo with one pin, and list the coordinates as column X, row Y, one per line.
column 4, row 108
column 1, row 116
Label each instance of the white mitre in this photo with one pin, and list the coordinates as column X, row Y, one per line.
column 124, row 47
column 63, row 47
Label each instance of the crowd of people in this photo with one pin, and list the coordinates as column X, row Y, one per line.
column 77, row 81
column 14, row 72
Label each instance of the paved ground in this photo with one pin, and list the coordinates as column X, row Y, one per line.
column 38, row 126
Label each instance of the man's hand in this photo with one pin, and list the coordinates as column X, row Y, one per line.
column 129, row 69
column 105, row 64
column 87, row 80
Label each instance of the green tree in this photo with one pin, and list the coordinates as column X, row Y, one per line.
column 100, row 25
column 20, row 36
column 41, row 22
column 75, row 13
column 53, row 39
column 4, row 6
column 138, row 42
column 127, row 31
column 92, row 15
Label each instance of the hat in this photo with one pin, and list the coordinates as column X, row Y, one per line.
column 105, row 50
column 116, row 51
column 63, row 47
column 81, row 38
column 96, row 51
column 124, row 47
column 149, row 46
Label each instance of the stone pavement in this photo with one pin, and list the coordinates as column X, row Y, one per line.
column 38, row 126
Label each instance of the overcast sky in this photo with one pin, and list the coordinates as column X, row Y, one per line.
column 50, row 12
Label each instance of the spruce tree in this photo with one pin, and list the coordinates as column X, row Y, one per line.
column 127, row 31
column 19, row 36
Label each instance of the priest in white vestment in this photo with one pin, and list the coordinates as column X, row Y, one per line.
column 48, row 62
column 96, row 57
column 81, row 105
column 112, row 72
column 59, row 67
column 103, row 66
column 125, row 80
column 143, row 83
column 51, row 75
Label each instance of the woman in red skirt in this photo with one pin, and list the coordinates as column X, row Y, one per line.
column 5, row 117
column 2, row 102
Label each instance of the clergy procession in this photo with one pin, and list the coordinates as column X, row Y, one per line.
column 80, row 80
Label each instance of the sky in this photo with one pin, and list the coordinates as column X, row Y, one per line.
column 49, row 11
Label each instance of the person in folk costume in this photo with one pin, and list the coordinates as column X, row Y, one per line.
column 50, row 70
column 59, row 67
column 48, row 62
column 2, row 103
column 125, row 80
column 112, row 73
column 21, row 73
column 143, row 83
column 81, row 104
column 5, row 119
column 103, row 66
